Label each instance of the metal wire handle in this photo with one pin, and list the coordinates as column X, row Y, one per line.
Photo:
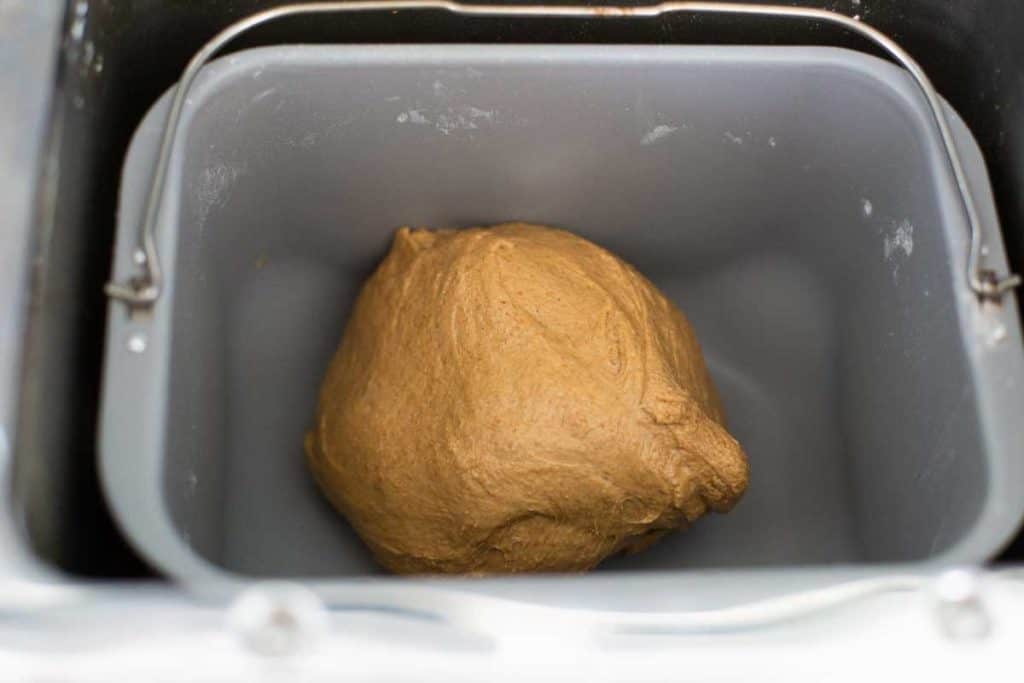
column 143, row 291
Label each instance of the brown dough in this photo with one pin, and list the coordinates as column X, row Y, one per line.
column 517, row 399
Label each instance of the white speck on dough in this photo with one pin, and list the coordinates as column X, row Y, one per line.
column 735, row 139
column 867, row 207
column 772, row 142
column 657, row 133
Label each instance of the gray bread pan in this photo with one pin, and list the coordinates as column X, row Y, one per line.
column 795, row 203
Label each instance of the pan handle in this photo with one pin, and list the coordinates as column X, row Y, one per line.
column 142, row 291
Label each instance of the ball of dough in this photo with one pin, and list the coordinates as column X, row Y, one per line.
column 516, row 399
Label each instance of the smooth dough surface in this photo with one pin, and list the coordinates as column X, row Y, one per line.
column 514, row 399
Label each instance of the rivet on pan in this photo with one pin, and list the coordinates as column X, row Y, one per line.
column 139, row 257
column 277, row 618
column 997, row 335
column 137, row 343
column 960, row 607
